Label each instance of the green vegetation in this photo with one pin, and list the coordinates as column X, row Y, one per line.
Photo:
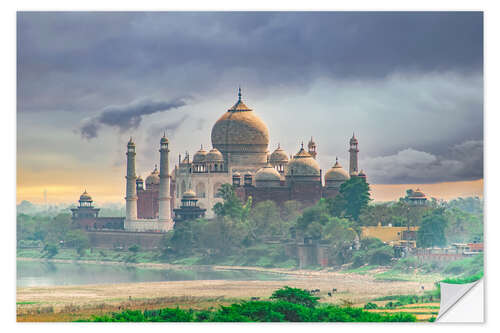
column 432, row 228
column 259, row 235
column 287, row 305
column 49, row 250
column 401, row 300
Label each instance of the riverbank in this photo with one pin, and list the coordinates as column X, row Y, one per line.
column 66, row 303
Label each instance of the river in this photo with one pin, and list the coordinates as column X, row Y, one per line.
column 41, row 273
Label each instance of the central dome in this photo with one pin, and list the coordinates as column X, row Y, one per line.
column 240, row 130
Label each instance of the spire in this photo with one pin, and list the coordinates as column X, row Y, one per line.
column 165, row 134
column 239, row 94
column 336, row 159
column 279, row 147
column 302, row 145
column 201, row 146
column 156, row 168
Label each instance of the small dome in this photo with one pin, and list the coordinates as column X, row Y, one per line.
column 267, row 173
column 214, row 155
column 139, row 180
column 163, row 139
column 278, row 156
column 189, row 194
column 336, row 173
column 153, row 178
column 302, row 165
column 200, row 156
column 85, row 196
column 236, row 175
column 131, row 143
column 362, row 174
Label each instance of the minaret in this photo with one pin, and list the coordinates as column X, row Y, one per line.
column 311, row 147
column 164, row 191
column 131, row 196
column 353, row 155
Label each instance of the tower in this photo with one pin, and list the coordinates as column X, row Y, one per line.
column 164, row 190
column 353, row 155
column 131, row 195
column 311, row 147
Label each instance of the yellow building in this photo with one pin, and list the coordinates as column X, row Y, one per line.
column 391, row 235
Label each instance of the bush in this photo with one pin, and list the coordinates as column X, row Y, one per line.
column 50, row 250
column 381, row 255
column 370, row 305
column 134, row 248
column 296, row 296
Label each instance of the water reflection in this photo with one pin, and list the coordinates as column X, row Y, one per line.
column 34, row 273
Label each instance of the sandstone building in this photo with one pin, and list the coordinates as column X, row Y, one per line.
column 240, row 156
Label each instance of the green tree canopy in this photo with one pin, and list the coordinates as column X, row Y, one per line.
column 356, row 193
column 432, row 229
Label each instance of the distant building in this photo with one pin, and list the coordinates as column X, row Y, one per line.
column 239, row 156
column 416, row 198
column 394, row 236
column 189, row 209
column 87, row 216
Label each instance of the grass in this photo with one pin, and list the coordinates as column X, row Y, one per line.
column 26, row 303
column 94, row 255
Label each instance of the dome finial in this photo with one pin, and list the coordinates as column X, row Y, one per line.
column 336, row 159
column 239, row 94
column 156, row 167
column 279, row 145
column 165, row 133
column 302, row 144
column 201, row 146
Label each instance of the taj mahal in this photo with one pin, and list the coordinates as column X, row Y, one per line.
column 239, row 156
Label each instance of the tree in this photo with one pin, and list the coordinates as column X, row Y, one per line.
column 374, row 214
column 290, row 210
column 265, row 220
column 134, row 248
column 232, row 205
column 337, row 205
column 182, row 241
column 356, row 193
column 296, row 296
column 50, row 250
column 78, row 240
column 432, row 229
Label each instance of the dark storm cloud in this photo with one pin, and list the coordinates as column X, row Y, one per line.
column 72, row 60
column 125, row 117
column 462, row 162
column 76, row 62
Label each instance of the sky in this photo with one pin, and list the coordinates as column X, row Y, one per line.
column 409, row 84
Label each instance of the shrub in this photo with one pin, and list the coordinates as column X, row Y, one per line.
column 296, row 296
column 50, row 250
column 370, row 305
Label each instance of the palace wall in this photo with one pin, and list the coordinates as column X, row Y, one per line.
column 124, row 239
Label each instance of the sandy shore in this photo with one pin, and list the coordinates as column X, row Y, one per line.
column 44, row 303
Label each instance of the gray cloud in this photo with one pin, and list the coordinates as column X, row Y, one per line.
column 125, row 117
column 461, row 162
column 84, row 58
column 398, row 79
